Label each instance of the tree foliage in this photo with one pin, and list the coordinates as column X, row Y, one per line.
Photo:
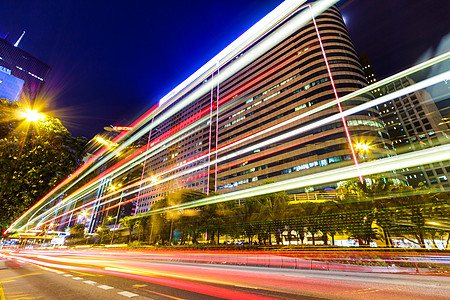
column 34, row 157
column 379, row 209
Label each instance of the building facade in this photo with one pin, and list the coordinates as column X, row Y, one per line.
column 413, row 122
column 24, row 66
column 10, row 86
column 254, row 118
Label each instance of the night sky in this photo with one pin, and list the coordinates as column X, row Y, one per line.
column 112, row 60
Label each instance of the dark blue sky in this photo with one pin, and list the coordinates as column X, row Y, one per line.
column 112, row 60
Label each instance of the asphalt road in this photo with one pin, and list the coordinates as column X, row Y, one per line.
column 93, row 275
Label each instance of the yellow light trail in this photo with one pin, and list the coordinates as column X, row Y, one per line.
column 167, row 114
column 420, row 85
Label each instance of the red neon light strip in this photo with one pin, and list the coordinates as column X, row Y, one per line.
column 182, row 125
column 347, row 132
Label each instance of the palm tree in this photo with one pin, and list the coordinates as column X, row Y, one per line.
column 274, row 206
column 127, row 222
column 138, row 225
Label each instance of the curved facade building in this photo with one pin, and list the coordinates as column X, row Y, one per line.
column 293, row 78
column 264, row 108
column 260, row 110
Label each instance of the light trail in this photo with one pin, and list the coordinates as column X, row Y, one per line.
column 174, row 133
column 347, row 132
column 243, row 42
column 388, row 97
column 143, row 120
column 384, row 165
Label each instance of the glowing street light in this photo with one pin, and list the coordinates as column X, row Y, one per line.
column 105, row 142
column 154, row 179
column 32, row 115
column 84, row 213
column 362, row 147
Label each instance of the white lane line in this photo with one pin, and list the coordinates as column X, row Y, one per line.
column 105, row 287
column 68, row 275
column 77, row 278
column 127, row 294
column 90, row 282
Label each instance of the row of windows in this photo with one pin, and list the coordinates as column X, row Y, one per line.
column 292, row 154
column 364, row 123
column 320, row 163
column 304, row 88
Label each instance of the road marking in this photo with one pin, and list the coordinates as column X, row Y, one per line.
column 139, row 285
column 83, row 273
column 77, row 278
column 90, row 282
column 127, row 294
column 105, row 287
column 68, row 275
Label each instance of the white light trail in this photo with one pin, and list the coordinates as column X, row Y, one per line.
column 279, row 14
column 412, row 88
column 275, row 38
column 384, row 165
column 231, row 71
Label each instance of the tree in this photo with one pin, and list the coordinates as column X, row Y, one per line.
column 34, row 157
column 367, row 207
column 105, row 234
column 274, row 206
column 76, row 234
column 128, row 223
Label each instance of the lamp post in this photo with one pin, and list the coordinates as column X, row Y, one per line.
column 32, row 115
column 363, row 149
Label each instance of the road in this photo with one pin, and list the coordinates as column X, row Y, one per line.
column 79, row 274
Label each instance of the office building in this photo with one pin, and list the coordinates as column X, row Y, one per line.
column 413, row 122
column 24, row 66
column 262, row 109
column 268, row 95
column 10, row 86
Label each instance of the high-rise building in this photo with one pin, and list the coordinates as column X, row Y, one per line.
column 255, row 117
column 413, row 122
column 24, row 66
column 267, row 107
column 10, row 86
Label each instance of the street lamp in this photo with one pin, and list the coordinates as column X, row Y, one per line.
column 32, row 115
column 84, row 213
column 362, row 147
column 154, row 179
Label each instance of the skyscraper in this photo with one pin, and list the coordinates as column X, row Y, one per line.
column 413, row 122
column 267, row 107
column 24, row 66
column 255, row 118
